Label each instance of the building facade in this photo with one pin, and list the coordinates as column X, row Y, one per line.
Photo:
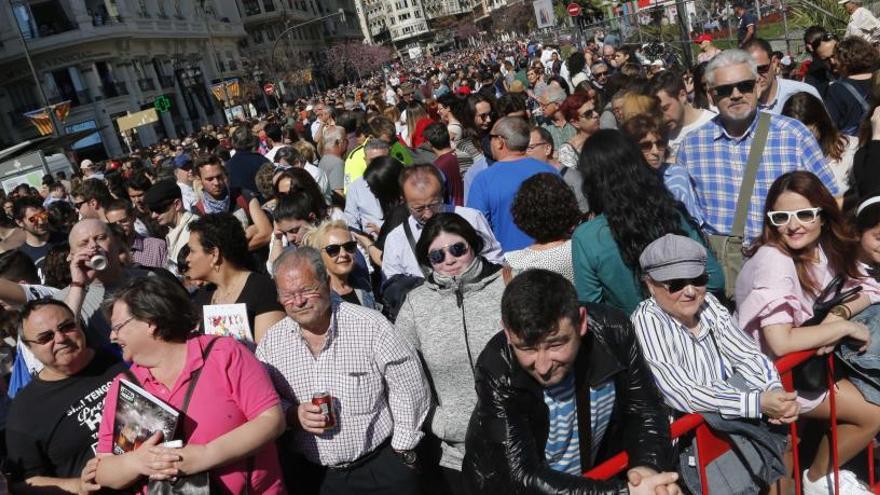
column 410, row 23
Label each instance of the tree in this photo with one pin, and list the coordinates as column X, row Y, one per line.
column 465, row 29
column 350, row 59
column 517, row 18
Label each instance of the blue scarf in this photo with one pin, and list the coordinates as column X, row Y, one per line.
column 215, row 205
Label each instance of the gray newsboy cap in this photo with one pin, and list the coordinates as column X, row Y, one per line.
column 673, row 257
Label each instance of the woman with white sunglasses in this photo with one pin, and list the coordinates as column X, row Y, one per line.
column 804, row 244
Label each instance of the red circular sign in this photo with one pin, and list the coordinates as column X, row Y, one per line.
column 269, row 88
column 573, row 9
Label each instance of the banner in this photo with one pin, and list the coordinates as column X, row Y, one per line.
column 544, row 13
column 43, row 122
column 230, row 87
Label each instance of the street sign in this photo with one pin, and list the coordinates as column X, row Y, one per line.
column 269, row 88
column 162, row 103
column 137, row 119
column 573, row 9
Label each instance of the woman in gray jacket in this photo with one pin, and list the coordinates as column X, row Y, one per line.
column 449, row 319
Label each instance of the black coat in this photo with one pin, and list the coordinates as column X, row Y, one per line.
column 508, row 430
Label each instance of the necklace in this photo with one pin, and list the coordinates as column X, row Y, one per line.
column 233, row 288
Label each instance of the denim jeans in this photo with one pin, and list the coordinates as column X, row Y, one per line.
column 863, row 369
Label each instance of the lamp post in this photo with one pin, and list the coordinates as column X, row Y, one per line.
column 340, row 13
column 216, row 60
column 56, row 127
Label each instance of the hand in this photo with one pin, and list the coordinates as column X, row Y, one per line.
column 372, row 229
column 859, row 332
column 658, row 484
column 780, row 406
column 192, row 458
column 87, row 478
column 363, row 240
column 689, row 84
column 79, row 267
column 146, row 463
column 635, row 476
column 310, row 418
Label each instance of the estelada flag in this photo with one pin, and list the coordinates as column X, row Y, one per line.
column 41, row 120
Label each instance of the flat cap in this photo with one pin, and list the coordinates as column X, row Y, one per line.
column 673, row 257
column 160, row 194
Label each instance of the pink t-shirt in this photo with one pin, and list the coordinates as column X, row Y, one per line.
column 232, row 389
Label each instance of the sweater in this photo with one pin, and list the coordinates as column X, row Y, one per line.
column 449, row 320
column 601, row 276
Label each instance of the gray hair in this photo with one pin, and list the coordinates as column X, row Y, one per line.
column 554, row 94
column 515, row 131
column 733, row 56
column 302, row 255
column 331, row 134
column 376, row 145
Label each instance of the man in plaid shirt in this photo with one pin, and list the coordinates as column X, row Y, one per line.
column 379, row 393
column 715, row 155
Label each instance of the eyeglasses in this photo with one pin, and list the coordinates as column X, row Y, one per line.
column 600, row 74
column 457, row 250
column 763, row 69
column 78, row 204
column 290, row 297
column 533, row 146
column 824, row 39
column 333, row 250
column 678, row 285
column 649, row 145
column 117, row 328
column 39, row 217
column 781, row 218
column 726, row 90
column 589, row 114
column 44, row 338
column 423, row 208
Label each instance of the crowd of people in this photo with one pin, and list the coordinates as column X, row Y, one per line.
column 485, row 272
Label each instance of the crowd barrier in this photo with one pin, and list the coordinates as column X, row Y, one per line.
column 710, row 446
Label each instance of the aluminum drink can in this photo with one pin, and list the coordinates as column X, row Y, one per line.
column 325, row 402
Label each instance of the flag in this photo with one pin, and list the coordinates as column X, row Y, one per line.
column 43, row 122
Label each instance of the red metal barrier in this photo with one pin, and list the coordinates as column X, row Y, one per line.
column 711, row 445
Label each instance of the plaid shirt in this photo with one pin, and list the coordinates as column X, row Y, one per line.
column 149, row 251
column 716, row 161
column 373, row 375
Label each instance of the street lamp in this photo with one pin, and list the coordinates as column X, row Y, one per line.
column 340, row 13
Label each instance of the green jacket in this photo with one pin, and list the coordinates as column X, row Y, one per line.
column 601, row 276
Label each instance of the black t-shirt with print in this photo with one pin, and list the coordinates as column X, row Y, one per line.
column 52, row 427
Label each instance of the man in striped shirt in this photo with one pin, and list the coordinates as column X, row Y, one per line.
column 561, row 389
column 701, row 361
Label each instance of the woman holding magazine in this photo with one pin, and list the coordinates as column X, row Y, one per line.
column 219, row 256
column 228, row 426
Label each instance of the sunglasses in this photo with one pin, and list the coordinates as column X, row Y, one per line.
column 333, row 250
column 781, row 218
column 457, row 250
column 649, row 145
column 763, row 69
column 44, row 338
column 600, row 74
column 678, row 285
column 726, row 90
column 824, row 39
column 590, row 113
column 78, row 204
column 39, row 217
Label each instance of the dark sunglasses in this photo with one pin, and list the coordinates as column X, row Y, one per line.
column 45, row 337
column 824, row 39
column 39, row 217
column 679, row 284
column 333, row 250
column 600, row 74
column 78, row 204
column 438, row 256
column 726, row 90
column 649, row 145
column 763, row 69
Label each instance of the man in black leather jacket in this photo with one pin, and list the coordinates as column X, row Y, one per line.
column 549, row 341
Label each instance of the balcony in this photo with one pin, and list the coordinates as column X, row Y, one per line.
column 76, row 98
column 146, row 84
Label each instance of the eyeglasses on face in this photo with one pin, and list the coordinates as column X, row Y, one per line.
column 78, row 204
column 649, row 145
column 763, row 69
column 599, row 74
column 678, row 285
column 38, row 217
column 291, row 297
column 423, row 208
column 531, row 147
column 589, row 114
column 781, row 218
column 823, row 39
column 725, row 90
column 333, row 250
column 457, row 250
column 44, row 338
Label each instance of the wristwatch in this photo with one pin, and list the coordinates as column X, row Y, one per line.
column 408, row 457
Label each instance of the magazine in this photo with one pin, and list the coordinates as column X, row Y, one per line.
column 228, row 320
column 140, row 414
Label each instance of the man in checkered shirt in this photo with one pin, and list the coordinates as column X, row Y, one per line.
column 380, row 396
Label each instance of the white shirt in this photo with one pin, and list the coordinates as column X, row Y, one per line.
column 399, row 258
column 176, row 239
column 862, row 24
column 270, row 155
column 188, row 195
column 784, row 89
column 321, row 178
column 675, row 142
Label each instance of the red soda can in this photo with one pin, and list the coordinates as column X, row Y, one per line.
column 325, row 402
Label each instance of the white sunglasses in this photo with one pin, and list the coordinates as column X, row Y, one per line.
column 782, row 217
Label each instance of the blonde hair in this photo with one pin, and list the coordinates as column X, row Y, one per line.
column 638, row 104
column 315, row 237
column 306, row 150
